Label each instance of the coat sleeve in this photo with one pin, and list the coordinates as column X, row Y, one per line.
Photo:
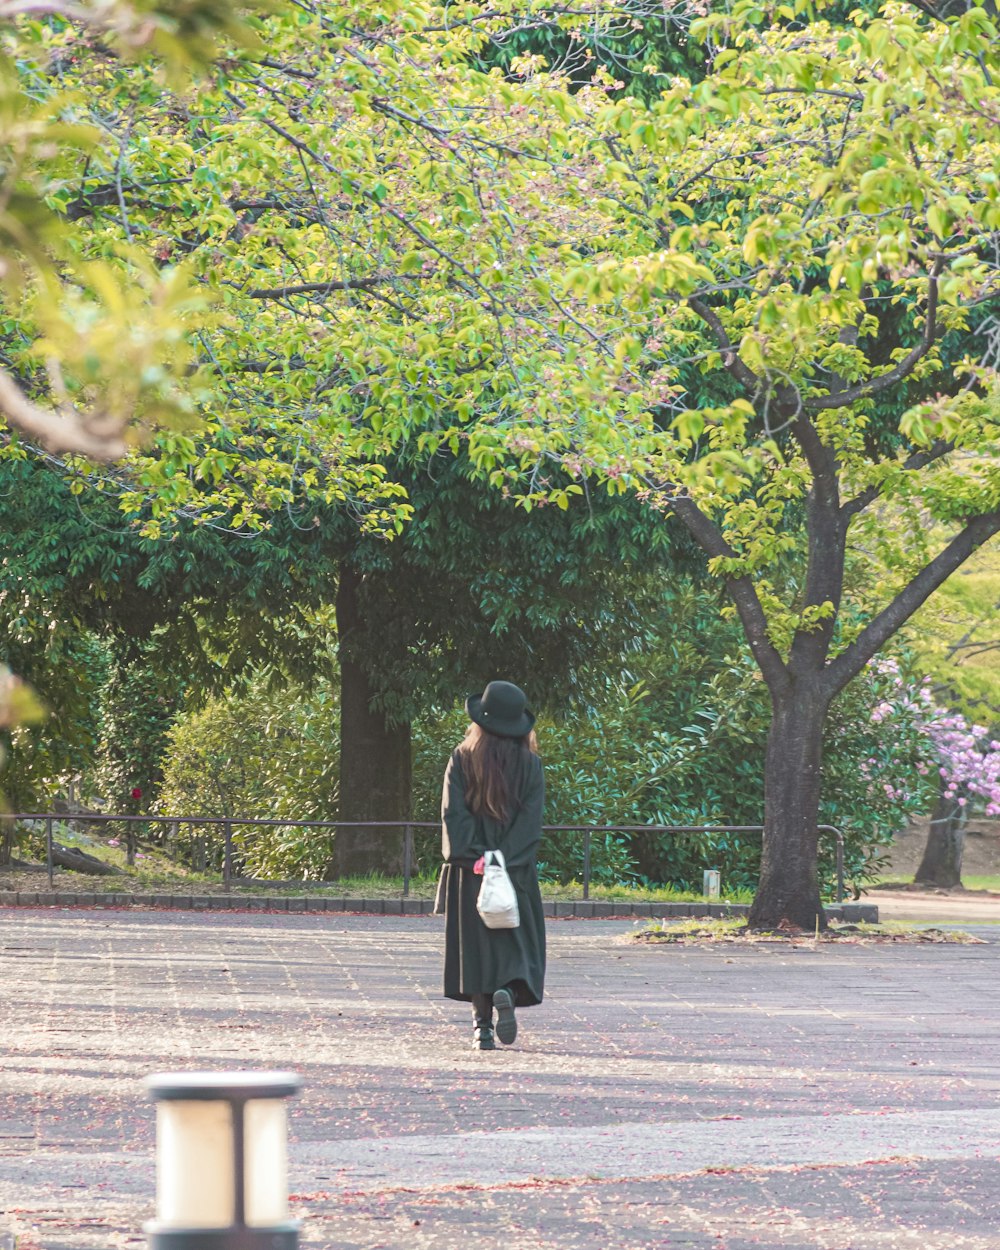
column 520, row 843
column 461, row 835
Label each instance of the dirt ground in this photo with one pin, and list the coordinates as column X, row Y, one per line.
column 981, row 858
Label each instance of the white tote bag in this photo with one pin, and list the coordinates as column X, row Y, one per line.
column 497, row 903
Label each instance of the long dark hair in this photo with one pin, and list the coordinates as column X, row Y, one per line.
column 490, row 766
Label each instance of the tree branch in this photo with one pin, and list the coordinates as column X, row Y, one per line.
column 87, row 201
column 943, row 10
column 881, row 628
column 730, row 356
column 290, row 70
column 11, row 9
column 919, row 460
column 840, row 399
column 741, row 590
column 334, row 284
column 277, row 365
column 98, row 437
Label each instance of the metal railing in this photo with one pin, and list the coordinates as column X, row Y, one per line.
column 229, row 822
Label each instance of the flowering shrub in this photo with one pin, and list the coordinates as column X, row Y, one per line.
column 875, row 765
column 959, row 759
column 969, row 763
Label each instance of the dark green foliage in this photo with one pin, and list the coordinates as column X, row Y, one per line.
column 470, row 585
column 219, row 602
column 139, row 703
column 640, row 45
column 476, row 589
column 681, row 740
column 67, row 670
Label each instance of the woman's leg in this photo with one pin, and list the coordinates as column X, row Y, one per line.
column 482, row 1010
column 482, row 1019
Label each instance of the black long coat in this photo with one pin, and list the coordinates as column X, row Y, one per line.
column 479, row 960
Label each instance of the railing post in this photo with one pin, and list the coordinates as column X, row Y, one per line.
column 48, row 848
column 407, row 859
column 6, row 841
column 586, row 863
column 227, row 858
column 840, row 865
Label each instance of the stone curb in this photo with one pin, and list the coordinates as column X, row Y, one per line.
column 580, row 909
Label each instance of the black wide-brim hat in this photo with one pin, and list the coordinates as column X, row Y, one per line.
column 501, row 709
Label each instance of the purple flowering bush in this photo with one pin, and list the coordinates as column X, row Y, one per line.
column 922, row 756
column 960, row 759
column 968, row 763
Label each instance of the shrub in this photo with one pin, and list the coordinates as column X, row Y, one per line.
column 267, row 753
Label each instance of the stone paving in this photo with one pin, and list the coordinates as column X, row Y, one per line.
column 716, row 1098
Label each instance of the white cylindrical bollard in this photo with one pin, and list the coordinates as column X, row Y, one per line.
column 222, row 1161
column 194, row 1164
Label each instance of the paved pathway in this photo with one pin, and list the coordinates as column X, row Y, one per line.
column 935, row 907
column 842, row 1098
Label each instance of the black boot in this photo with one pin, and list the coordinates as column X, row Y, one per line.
column 503, row 1000
column 482, row 1018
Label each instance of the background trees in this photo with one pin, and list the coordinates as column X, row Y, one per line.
column 744, row 300
column 106, row 350
column 334, row 279
column 761, row 224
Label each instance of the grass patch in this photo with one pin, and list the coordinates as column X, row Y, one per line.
column 698, row 932
column 693, row 929
column 989, row 882
column 635, row 894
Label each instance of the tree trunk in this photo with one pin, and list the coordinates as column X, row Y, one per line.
column 941, row 865
column 375, row 757
column 788, row 891
column 199, row 853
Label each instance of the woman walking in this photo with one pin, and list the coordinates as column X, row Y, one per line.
column 493, row 795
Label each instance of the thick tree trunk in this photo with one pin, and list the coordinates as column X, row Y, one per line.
column 788, row 891
column 375, row 758
column 941, row 865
